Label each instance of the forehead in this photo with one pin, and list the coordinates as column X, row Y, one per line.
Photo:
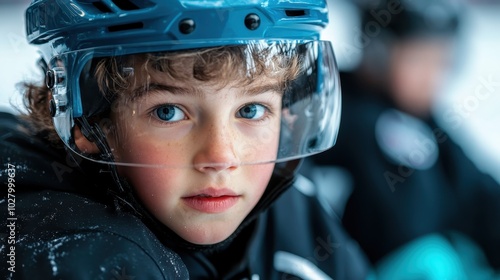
column 161, row 83
column 245, row 67
column 193, row 74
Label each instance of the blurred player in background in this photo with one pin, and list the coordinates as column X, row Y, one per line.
column 417, row 205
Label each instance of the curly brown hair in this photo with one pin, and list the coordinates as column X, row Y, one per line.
column 36, row 101
column 220, row 65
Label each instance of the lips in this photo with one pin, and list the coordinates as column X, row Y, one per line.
column 212, row 200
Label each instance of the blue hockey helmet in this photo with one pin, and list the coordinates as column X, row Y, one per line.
column 76, row 36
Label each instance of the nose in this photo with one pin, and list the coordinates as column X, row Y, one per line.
column 217, row 150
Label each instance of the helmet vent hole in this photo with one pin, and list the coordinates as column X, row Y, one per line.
column 252, row 21
column 187, row 26
column 295, row 13
column 102, row 7
column 124, row 27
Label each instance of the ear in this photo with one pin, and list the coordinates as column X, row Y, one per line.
column 84, row 144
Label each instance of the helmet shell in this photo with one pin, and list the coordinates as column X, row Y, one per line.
column 68, row 25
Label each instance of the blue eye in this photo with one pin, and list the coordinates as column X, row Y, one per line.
column 169, row 113
column 252, row 111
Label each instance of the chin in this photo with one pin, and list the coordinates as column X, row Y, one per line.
column 210, row 235
column 210, row 239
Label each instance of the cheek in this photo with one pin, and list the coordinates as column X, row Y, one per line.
column 157, row 188
column 261, row 181
column 259, row 145
column 147, row 150
column 157, row 183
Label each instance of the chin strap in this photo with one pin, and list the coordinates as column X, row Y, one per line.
column 95, row 134
column 121, row 192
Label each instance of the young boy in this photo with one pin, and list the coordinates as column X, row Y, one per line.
column 183, row 124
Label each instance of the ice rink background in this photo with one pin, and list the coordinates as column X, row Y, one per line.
column 469, row 108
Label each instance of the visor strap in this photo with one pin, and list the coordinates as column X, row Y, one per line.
column 95, row 134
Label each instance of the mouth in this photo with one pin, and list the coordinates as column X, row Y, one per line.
column 212, row 200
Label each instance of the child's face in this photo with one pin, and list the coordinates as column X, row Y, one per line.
column 199, row 133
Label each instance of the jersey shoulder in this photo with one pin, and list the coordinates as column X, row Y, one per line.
column 68, row 236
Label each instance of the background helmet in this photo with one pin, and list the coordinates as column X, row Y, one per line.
column 385, row 23
column 407, row 18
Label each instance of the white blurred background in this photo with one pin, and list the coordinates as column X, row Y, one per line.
column 469, row 108
column 17, row 58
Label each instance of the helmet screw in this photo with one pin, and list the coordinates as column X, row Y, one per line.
column 50, row 79
column 252, row 21
column 52, row 108
column 186, row 26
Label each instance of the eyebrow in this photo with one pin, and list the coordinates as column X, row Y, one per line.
column 157, row 87
column 275, row 87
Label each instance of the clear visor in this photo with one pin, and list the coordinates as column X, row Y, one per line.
column 254, row 103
